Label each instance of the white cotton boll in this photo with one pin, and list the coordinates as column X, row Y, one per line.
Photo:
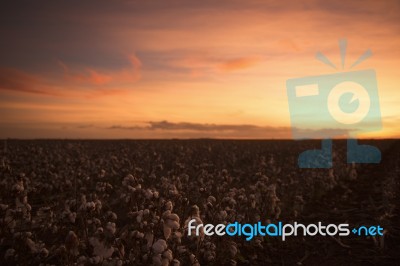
column 100, row 248
column 209, row 255
column 175, row 262
column 10, row 253
column 139, row 216
column 157, row 260
column 167, row 255
column 18, row 187
column 149, row 237
column 146, row 212
column 96, row 221
column 257, row 242
column 9, row 219
column 193, row 260
column 3, row 207
column 173, row 217
column 81, row 260
column 98, row 205
column 31, row 245
column 28, row 207
column 111, row 228
column 159, row 246
column 212, row 199
column 232, row 250
column 155, row 219
column 127, row 199
column 167, row 231
column 72, row 217
column 195, row 211
column 44, row 252
column 223, row 214
column 168, row 205
column 148, row 194
column 112, row 215
column 83, row 199
column 95, row 260
column 156, row 195
column 25, row 200
column 181, row 249
column 165, row 262
column 172, row 224
column 90, row 206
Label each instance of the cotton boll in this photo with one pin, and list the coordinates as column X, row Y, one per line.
column 181, row 249
column 98, row 205
column 72, row 217
column 232, row 250
column 209, row 256
column 112, row 215
column 148, row 194
column 111, row 228
column 173, row 217
column 173, row 224
column 211, row 199
column 195, row 211
column 157, row 260
column 149, row 236
column 100, row 248
column 31, row 245
column 10, row 253
column 71, row 243
column 167, row 231
column 82, row 260
column 193, row 260
column 95, row 260
column 168, row 205
column 44, row 252
column 159, row 246
column 175, row 262
column 167, row 255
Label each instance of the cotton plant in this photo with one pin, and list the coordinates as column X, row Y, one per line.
column 170, row 223
column 72, row 243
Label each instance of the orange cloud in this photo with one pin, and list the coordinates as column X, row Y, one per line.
column 16, row 80
column 91, row 76
column 73, row 85
column 238, row 63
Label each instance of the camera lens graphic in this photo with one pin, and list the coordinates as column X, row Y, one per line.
column 348, row 102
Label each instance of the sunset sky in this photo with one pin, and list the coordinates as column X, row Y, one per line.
column 182, row 69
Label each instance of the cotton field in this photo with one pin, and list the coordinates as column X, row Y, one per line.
column 129, row 202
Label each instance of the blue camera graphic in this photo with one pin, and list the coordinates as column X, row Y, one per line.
column 328, row 106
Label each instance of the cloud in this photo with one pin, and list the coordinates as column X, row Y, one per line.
column 90, row 76
column 87, row 83
column 238, row 63
column 200, row 130
column 20, row 81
